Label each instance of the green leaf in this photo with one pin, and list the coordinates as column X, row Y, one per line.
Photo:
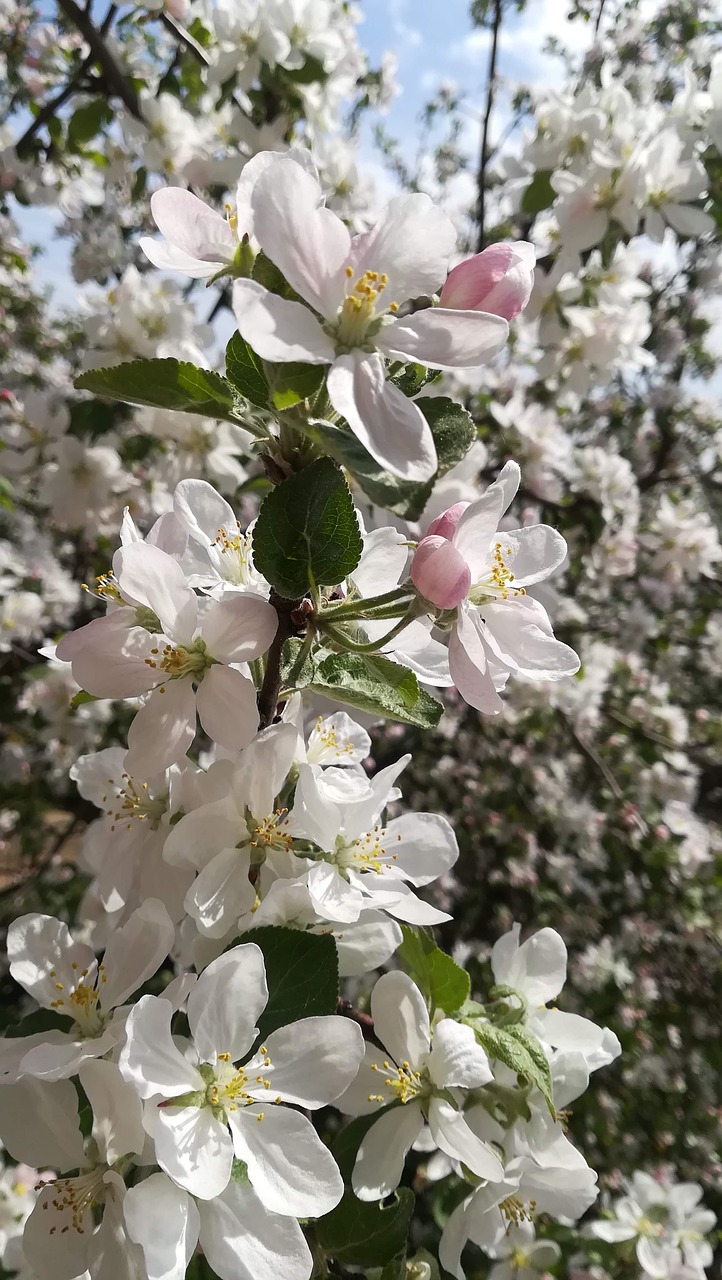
column 268, row 274
column 307, row 532
column 86, row 121
column 40, row 1020
column 413, row 377
column 80, row 699
column 292, row 383
column 376, row 685
column 540, row 193
column 365, row 1234
column 518, row 1049
column 453, row 431
column 444, row 984
column 302, row 975
column 245, row 371
column 164, row 384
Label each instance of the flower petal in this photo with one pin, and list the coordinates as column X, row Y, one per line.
column 167, row 258
column 277, row 328
column 149, row 1059
column 55, row 1243
column 192, row 226
column 239, row 628
column 412, row 243
column 480, row 521
column 243, row 1240
column 312, row 1061
column 164, row 1221
column 401, row 1019
column 156, row 580
column 468, row 664
column 533, row 553
column 457, row 1060
column 383, row 1151
column 108, row 655
column 163, row 729
column 42, row 953
column 423, row 846
column 387, row 423
column 227, row 709
column 39, row 1123
column 135, row 952
column 445, row 339
column 289, row 1167
column 453, row 1136
column 221, row 893
column 519, row 634
column 193, row 1147
column 117, row 1113
column 307, row 242
column 226, row 1003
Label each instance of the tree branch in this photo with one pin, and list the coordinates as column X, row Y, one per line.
column 271, row 687
column 490, row 88
column 118, row 83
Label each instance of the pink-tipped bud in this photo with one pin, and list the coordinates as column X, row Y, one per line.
column 499, row 280
column 445, row 524
column 439, row 573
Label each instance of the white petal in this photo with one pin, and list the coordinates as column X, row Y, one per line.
column 480, row 521
column 366, row 944
column 164, row 1221
column 167, row 258
column 108, row 656
column 227, row 1001
column 194, row 1149
column 389, row 425
column 117, row 1112
column 227, row 709
column 307, row 242
column 688, row 221
column 279, row 329
column 39, row 1123
column 53, row 1244
column 537, row 968
column 149, row 1059
column 468, row 664
column 401, row 1019
column 42, row 954
column 519, row 634
column 221, row 893
column 453, row 1136
column 568, row 1031
column 613, row 1232
column 243, row 1240
column 533, row 553
column 61, row 1053
column 239, row 628
column 157, row 581
column 135, row 952
column 383, row 1151
column 424, row 844
column 163, row 730
column 457, row 1059
column 360, row 1099
column 412, row 243
column 332, row 897
column 400, row 901
column 445, row 339
column 193, row 226
column 288, row 1165
column 312, row 1061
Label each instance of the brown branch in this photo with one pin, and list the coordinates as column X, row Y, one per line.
column 490, row 88
column 117, row 82
column 271, row 687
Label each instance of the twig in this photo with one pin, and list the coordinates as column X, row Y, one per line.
column 47, row 112
column 271, row 687
column 598, row 21
column 490, row 88
column 191, row 44
column 363, row 1020
column 592, row 754
column 117, row 82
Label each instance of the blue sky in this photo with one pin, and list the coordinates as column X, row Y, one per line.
column 434, row 43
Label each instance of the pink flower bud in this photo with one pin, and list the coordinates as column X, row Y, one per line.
column 439, row 572
column 498, row 280
column 445, row 524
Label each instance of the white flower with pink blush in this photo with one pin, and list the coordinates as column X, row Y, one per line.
column 190, row 663
column 464, row 564
column 354, row 288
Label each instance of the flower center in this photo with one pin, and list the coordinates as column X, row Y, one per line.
column 498, row 581
column 358, row 319
column 235, row 548
column 367, row 853
column 268, row 833
column 402, row 1083
column 328, row 740
column 105, row 588
column 81, row 1001
column 133, row 803
column 516, row 1212
column 181, row 662
column 75, row 1196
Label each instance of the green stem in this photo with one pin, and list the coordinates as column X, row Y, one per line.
column 373, row 646
column 359, row 607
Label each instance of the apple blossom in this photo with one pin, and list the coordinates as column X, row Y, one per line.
column 498, row 280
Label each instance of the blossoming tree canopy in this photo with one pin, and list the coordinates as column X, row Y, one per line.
column 416, row 505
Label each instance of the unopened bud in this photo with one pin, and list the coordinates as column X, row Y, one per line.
column 439, row 573
column 499, row 280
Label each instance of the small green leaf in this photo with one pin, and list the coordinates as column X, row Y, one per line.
column 377, row 685
column 301, row 972
column 540, row 194
column 364, row 1234
column 245, row 371
column 268, row 274
column 292, row 383
column 307, row 532
column 164, row 384
column 413, row 377
column 518, row 1049
column 444, row 983
column 87, row 121
column 453, row 431
column 80, row 699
